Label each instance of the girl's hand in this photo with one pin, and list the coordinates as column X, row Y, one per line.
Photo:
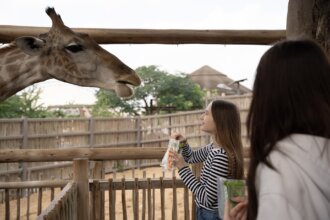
column 177, row 159
column 178, row 136
column 239, row 212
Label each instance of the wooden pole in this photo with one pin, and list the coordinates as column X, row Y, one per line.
column 156, row 36
column 68, row 154
column 7, row 204
column 138, row 126
column 80, row 177
column 24, row 165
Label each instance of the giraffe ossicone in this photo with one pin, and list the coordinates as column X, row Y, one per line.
column 62, row 54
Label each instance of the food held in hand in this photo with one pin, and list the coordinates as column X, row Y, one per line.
column 235, row 188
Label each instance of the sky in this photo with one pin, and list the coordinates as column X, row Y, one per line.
column 235, row 61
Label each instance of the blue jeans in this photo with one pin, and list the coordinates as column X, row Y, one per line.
column 204, row 214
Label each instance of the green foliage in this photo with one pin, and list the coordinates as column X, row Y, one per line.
column 181, row 92
column 25, row 105
column 11, row 108
column 165, row 89
column 109, row 104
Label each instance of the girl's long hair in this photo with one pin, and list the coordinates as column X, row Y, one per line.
column 291, row 94
column 228, row 126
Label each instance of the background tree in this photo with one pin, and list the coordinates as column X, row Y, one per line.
column 25, row 104
column 163, row 88
column 11, row 107
column 181, row 92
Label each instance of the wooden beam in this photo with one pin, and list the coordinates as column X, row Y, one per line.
column 33, row 184
column 80, row 177
column 156, row 36
column 68, row 154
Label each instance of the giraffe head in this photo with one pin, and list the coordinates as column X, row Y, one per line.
column 77, row 59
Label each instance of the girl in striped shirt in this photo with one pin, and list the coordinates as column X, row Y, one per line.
column 222, row 158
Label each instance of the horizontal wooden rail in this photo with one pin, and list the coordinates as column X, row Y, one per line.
column 150, row 141
column 73, row 134
column 69, row 164
column 185, row 113
column 68, row 154
column 36, row 168
column 33, row 184
column 157, row 36
column 104, row 184
column 155, row 183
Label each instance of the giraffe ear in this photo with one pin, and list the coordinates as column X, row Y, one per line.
column 30, row 45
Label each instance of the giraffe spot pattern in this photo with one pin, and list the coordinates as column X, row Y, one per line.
column 14, row 58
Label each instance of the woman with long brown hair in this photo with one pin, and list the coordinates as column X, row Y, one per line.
column 289, row 128
column 222, row 158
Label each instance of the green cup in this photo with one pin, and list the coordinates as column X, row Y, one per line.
column 235, row 188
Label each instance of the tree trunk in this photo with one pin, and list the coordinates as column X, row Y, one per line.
column 300, row 19
column 321, row 13
column 311, row 19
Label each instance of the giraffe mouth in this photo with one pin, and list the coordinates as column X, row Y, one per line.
column 125, row 82
column 124, row 89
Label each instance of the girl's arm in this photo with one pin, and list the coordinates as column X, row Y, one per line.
column 195, row 156
column 206, row 193
column 189, row 155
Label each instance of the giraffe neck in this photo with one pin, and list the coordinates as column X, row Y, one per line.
column 18, row 71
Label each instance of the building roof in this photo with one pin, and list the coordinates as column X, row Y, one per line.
column 209, row 79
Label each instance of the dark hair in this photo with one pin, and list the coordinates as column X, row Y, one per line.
column 291, row 94
column 228, row 125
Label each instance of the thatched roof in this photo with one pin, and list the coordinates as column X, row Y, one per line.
column 209, row 79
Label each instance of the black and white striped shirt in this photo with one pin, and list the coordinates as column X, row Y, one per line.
column 215, row 165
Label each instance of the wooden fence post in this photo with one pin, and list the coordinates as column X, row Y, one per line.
column 91, row 131
column 24, row 145
column 80, row 177
column 96, row 167
column 97, row 173
column 196, row 169
column 138, row 137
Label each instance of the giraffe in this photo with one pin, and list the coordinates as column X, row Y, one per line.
column 64, row 55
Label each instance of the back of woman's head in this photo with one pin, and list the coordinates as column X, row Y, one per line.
column 291, row 94
column 228, row 124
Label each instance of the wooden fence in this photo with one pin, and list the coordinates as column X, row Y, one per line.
column 141, row 132
column 80, row 157
column 40, row 191
column 84, row 197
column 120, row 130
column 65, row 205
column 109, row 199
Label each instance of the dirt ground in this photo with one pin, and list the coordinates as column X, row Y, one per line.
column 150, row 172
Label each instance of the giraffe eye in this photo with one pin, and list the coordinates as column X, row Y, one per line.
column 74, row 48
